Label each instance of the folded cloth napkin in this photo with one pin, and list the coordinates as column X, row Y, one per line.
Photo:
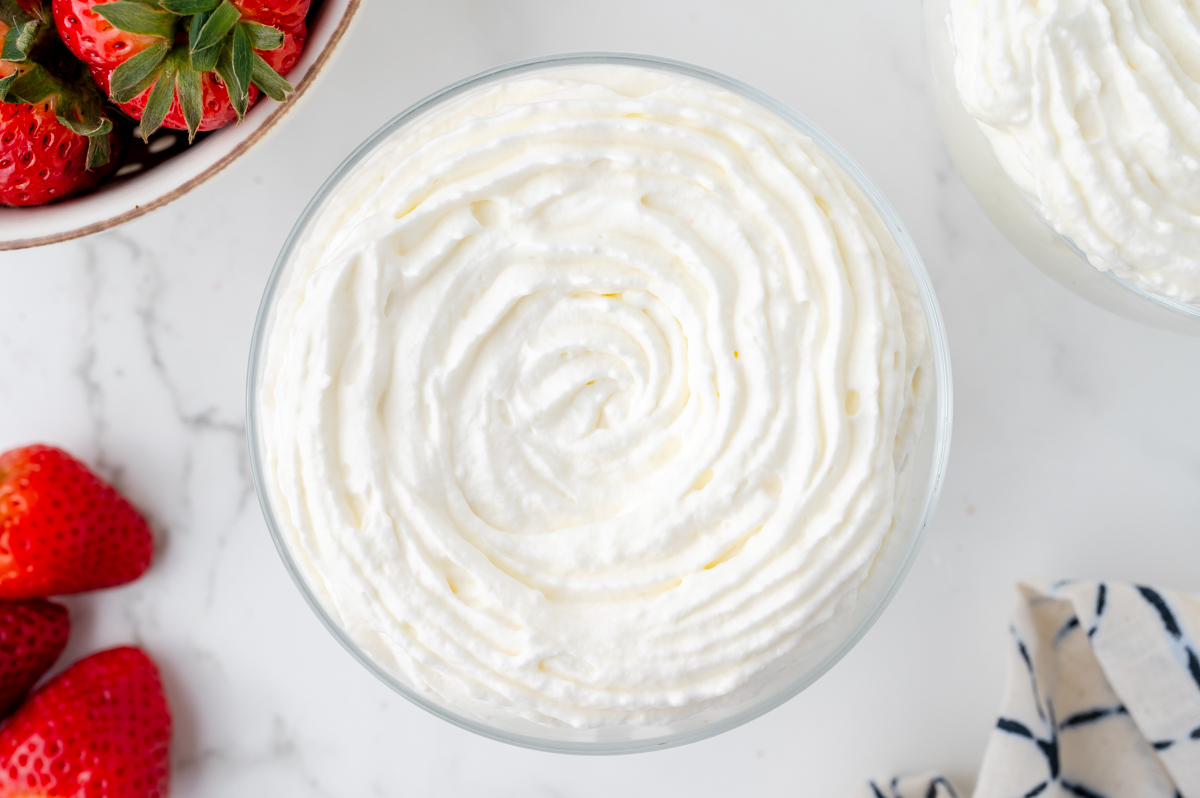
column 1103, row 699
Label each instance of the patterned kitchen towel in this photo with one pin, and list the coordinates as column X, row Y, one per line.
column 1103, row 699
column 928, row 785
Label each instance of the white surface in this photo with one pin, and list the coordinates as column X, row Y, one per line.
column 1076, row 451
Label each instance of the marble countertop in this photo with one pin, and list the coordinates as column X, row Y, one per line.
column 1076, row 442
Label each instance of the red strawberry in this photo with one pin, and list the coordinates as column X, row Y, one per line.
column 100, row 729
column 41, row 159
column 185, row 64
column 32, row 635
column 287, row 15
column 54, row 137
column 63, row 529
column 92, row 39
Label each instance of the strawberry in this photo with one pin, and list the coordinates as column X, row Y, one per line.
column 42, row 160
column 287, row 15
column 32, row 635
column 63, row 529
column 217, row 109
column 185, row 64
column 55, row 139
column 100, row 729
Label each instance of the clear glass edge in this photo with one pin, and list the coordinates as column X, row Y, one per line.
column 942, row 432
column 1175, row 306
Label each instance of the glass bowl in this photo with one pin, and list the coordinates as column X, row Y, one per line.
column 1011, row 211
column 891, row 566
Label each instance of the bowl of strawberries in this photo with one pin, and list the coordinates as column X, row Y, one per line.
column 111, row 108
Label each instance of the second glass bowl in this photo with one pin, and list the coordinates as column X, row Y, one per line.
column 891, row 566
column 1010, row 211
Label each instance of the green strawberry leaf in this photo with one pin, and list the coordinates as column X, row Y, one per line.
column 159, row 103
column 187, row 7
column 80, row 107
column 132, row 77
column 243, row 59
column 218, row 23
column 18, row 40
column 33, row 86
column 269, row 81
column 134, row 17
column 195, row 25
column 239, row 97
column 263, row 37
column 98, row 152
column 206, row 60
column 191, row 99
column 5, row 84
column 85, row 125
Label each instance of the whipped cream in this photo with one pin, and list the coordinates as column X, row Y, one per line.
column 588, row 397
column 1093, row 109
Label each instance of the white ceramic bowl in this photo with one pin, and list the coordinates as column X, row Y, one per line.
column 1010, row 211
column 168, row 167
column 928, row 463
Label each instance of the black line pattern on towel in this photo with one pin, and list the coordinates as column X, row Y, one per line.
column 933, row 785
column 1024, row 652
column 1185, row 649
column 930, row 792
column 1049, row 747
column 1164, row 612
column 1066, row 630
column 1101, row 599
column 1185, row 652
column 1092, row 715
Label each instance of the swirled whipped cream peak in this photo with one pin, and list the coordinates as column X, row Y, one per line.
column 588, row 398
column 1093, row 109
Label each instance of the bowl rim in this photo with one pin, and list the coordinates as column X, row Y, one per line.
column 266, row 126
column 1184, row 309
column 941, row 412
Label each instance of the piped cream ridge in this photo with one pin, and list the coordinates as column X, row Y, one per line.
column 589, row 395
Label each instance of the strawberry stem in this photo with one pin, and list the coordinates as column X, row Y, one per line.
column 218, row 40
